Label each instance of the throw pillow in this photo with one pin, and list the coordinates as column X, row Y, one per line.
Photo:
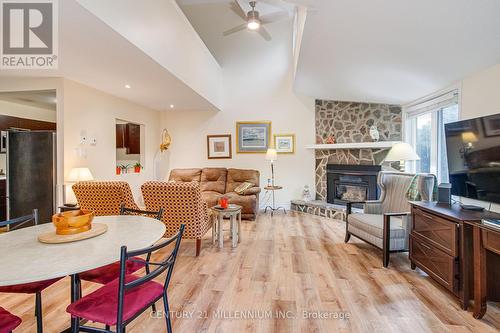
column 243, row 187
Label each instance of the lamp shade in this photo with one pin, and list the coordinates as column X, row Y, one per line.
column 79, row 175
column 402, row 152
column 271, row 154
column 469, row 137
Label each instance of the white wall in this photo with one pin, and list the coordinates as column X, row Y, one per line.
column 93, row 113
column 481, row 93
column 257, row 86
column 26, row 111
column 480, row 96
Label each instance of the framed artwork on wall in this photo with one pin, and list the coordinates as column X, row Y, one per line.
column 253, row 136
column 284, row 143
column 491, row 125
column 219, row 146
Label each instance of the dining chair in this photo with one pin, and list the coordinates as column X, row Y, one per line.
column 8, row 321
column 32, row 287
column 121, row 301
column 108, row 273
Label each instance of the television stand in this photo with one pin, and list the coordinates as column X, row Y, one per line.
column 441, row 244
column 471, row 207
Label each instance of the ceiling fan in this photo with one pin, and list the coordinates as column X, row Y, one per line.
column 253, row 20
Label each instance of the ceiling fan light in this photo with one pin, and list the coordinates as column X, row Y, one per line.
column 253, row 24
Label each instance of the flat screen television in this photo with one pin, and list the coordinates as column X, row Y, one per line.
column 473, row 152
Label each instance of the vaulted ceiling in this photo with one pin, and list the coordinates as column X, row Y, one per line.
column 392, row 50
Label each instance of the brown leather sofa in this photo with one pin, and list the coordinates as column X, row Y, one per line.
column 218, row 182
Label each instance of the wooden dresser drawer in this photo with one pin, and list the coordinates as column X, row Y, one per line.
column 491, row 241
column 439, row 232
column 433, row 261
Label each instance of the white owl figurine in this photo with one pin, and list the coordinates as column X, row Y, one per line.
column 374, row 133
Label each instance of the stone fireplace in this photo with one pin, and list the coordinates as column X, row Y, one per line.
column 350, row 122
column 351, row 183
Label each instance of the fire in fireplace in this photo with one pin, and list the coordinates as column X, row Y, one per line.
column 351, row 183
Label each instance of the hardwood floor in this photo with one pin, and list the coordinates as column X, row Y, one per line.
column 297, row 267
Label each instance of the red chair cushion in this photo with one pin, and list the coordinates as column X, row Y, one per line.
column 8, row 321
column 102, row 305
column 108, row 273
column 28, row 288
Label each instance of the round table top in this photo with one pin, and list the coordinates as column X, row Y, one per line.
column 231, row 208
column 24, row 259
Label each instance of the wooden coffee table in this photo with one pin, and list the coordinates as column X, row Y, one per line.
column 234, row 214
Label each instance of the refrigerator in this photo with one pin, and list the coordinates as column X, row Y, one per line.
column 31, row 174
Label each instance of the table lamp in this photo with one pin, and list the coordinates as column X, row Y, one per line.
column 272, row 155
column 77, row 175
column 401, row 152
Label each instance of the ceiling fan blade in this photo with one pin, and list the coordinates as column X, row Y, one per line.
column 274, row 17
column 263, row 32
column 235, row 7
column 281, row 3
column 235, row 29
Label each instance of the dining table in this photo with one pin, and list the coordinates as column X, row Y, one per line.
column 25, row 259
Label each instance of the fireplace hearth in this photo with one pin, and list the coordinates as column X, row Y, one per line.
column 348, row 183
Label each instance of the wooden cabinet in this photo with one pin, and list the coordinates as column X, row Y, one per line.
column 7, row 122
column 441, row 245
column 129, row 136
column 133, row 134
column 435, row 262
column 120, row 136
column 434, row 247
column 440, row 233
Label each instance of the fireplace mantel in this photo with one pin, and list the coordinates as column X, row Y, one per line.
column 354, row 145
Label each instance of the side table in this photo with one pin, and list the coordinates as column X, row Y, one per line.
column 234, row 214
column 273, row 208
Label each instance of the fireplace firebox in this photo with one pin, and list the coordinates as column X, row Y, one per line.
column 348, row 183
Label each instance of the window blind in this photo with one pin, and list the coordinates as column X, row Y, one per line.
column 431, row 105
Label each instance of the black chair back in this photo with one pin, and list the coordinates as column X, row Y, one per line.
column 18, row 222
column 165, row 265
column 129, row 211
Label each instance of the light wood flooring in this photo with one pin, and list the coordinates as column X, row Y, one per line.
column 295, row 266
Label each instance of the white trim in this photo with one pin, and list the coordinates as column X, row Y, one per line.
column 354, row 145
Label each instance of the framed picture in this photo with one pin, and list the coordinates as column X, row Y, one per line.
column 253, row 136
column 491, row 125
column 284, row 143
column 219, row 146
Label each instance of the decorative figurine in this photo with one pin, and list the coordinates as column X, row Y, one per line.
column 374, row 133
column 306, row 194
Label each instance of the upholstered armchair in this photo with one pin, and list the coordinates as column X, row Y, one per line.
column 182, row 204
column 385, row 223
column 104, row 197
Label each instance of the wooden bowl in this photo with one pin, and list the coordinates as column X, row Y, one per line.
column 73, row 222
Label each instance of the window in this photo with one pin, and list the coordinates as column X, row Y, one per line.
column 424, row 128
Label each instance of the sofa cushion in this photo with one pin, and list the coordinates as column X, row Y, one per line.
column 236, row 177
column 373, row 224
column 213, row 179
column 185, row 175
column 247, row 202
column 211, row 198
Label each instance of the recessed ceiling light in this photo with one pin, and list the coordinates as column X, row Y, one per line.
column 128, row 86
column 171, row 106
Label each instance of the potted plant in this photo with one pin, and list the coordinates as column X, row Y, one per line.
column 137, row 167
column 118, row 170
column 125, row 168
